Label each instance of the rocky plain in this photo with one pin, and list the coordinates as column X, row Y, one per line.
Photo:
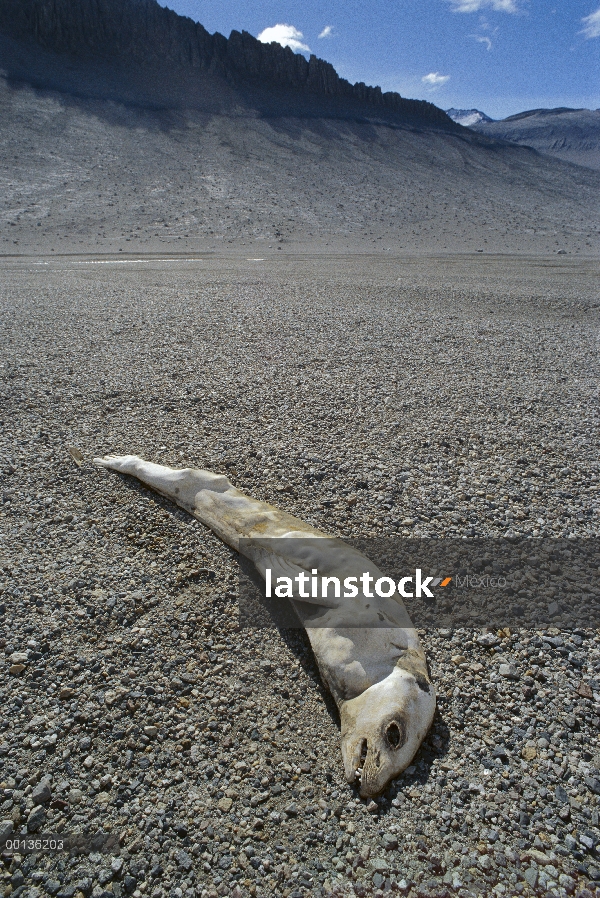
column 381, row 322
column 364, row 395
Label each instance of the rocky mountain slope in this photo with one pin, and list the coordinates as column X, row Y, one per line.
column 93, row 175
column 569, row 134
column 129, row 128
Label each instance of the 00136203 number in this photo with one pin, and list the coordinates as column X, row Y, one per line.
column 29, row 844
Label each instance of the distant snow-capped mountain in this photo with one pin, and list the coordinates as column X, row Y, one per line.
column 468, row 117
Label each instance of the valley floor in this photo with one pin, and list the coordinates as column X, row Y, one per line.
column 368, row 395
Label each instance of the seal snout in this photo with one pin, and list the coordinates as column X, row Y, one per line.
column 379, row 757
column 382, row 730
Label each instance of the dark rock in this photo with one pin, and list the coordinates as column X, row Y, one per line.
column 69, row 891
column 593, row 784
column 129, row 883
column 36, row 819
column 41, row 793
column 183, row 860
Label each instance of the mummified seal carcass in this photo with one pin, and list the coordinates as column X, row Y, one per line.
column 368, row 653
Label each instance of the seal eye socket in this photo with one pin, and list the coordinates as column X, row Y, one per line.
column 394, row 736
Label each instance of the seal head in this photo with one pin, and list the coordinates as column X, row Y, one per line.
column 383, row 728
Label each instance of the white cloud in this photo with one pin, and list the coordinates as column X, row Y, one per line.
column 434, row 79
column 477, row 5
column 327, row 31
column 591, row 25
column 483, row 40
column 286, row 35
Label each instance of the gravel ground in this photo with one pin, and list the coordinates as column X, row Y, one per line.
column 136, row 706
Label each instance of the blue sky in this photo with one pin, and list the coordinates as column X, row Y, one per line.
column 500, row 56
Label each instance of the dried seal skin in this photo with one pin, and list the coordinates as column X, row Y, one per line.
column 375, row 671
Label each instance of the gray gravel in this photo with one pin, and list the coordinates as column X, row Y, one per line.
column 365, row 396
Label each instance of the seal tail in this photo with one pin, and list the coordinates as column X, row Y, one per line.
column 181, row 486
column 212, row 499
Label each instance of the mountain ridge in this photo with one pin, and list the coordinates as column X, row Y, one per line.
column 557, row 110
column 141, row 35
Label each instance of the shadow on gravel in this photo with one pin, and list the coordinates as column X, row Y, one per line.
column 295, row 639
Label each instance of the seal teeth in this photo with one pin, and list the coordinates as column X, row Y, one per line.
column 363, row 757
